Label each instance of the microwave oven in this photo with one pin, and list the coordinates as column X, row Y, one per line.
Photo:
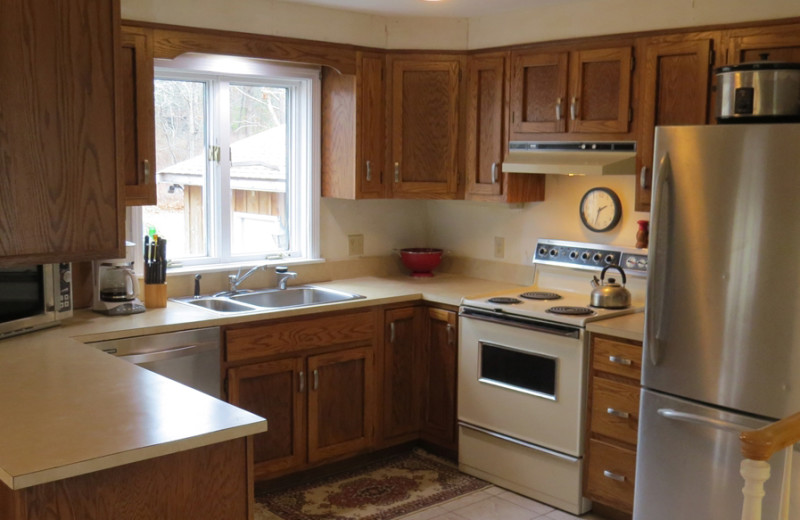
column 33, row 297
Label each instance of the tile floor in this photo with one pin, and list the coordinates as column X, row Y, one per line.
column 494, row 503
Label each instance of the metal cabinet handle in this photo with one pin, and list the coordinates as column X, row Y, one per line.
column 397, row 172
column 558, row 109
column 614, row 476
column 494, row 173
column 302, row 381
column 146, row 168
column 316, row 380
column 643, row 178
column 391, row 332
column 369, row 171
column 620, row 360
column 450, row 335
column 573, row 109
column 617, row 413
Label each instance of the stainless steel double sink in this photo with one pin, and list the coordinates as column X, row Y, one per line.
column 269, row 299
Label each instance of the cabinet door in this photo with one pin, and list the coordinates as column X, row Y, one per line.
column 780, row 42
column 538, row 92
column 425, row 127
column 440, row 357
column 401, row 390
column 675, row 91
column 487, row 138
column 274, row 390
column 372, row 130
column 340, row 403
column 60, row 189
column 600, row 90
column 138, row 117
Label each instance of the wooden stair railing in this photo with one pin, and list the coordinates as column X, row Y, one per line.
column 757, row 448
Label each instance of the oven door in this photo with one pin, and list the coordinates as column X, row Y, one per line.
column 523, row 380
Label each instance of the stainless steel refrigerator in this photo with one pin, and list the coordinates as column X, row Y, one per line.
column 722, row 333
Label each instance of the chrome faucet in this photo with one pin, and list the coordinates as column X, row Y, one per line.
column 235, row 279
column 283, row 274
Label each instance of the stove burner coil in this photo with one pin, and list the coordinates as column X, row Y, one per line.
column 540, row 295
column 571, row 311
column 504, row 299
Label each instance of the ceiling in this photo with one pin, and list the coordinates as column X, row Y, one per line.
column 442, row 8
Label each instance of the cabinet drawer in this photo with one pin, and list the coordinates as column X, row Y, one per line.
column 615, row 409
column 616, row 357
column 286, row 337
column 611, row 475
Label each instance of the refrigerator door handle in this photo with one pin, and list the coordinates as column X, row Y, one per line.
column 658, row 226
column 718, row 424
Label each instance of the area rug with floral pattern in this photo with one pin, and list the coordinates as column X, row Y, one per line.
column 382, row 490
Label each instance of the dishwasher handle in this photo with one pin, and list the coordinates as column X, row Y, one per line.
column 172, row 353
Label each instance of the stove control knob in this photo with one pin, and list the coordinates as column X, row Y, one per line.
column 642, row 263
column 554, row 252
column 585, row 256
column 542, row 251
column 573, row 255
column 630, row 262
column 609, row 259
column 597, row 257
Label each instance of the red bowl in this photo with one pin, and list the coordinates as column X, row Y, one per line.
column 421, row 260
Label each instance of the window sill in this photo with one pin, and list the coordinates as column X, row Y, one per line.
column 218, row 268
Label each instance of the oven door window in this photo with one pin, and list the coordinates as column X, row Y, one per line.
column 526, row 372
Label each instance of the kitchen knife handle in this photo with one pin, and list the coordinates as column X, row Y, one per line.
column 614, row 476
column 302, row 377
column 369, row 171
column 494, row 173
column 397, row 172
column 558, row 109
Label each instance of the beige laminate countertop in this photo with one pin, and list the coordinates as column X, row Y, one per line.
column 70, row 409
column 628, row 326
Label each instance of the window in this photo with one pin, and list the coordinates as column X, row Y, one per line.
column 236, row 154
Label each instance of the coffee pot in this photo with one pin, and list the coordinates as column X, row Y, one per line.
column 115, row 288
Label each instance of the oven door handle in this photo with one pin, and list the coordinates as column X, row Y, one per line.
column 518, row 442
column 522, row 323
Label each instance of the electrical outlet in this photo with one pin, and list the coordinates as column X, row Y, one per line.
column 355, row 245
column 499, row 247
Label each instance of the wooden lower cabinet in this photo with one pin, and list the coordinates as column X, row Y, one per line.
column 439, row 384
column 313, row 379
column 401, row 382
column 613, row 421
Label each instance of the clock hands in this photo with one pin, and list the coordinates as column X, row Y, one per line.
column 597, row 215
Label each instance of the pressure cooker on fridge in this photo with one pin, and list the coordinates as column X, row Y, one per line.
column 758, row 92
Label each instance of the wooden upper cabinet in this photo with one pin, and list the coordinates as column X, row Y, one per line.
column 486, row 140
column 584, row 91
column 354, row 130
column 600, row 90
column 426, row 126
column 675, row 90
column 138, row 117
column 60, row 188
column 779, row 42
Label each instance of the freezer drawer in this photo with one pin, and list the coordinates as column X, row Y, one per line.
column 688, row 468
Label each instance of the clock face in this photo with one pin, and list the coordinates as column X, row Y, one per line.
column 600, row 209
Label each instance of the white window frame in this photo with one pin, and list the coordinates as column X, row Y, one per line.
column 303, row 191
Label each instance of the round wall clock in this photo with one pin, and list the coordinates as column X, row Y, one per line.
column 600, row 209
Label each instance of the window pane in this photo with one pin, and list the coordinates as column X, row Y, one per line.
column 258, row 169
column 181, row 165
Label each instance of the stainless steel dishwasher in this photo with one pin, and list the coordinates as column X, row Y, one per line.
column 191, row 357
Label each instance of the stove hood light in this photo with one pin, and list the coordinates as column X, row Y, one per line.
column 571, row 158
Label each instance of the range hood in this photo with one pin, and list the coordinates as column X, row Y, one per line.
column 572, row 158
